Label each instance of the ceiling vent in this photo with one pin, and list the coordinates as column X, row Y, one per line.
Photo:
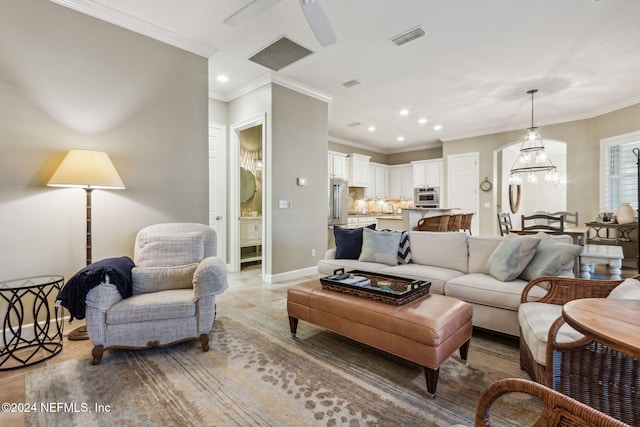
column 409, row 36
column 279, row 54
column 351, row 83
column 354, row 124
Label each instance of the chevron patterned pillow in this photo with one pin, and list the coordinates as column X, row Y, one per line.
column 404, row 251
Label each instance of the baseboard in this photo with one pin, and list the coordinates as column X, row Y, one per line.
column 27, row 331
column 290, row 275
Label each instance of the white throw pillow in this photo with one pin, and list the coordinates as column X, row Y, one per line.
column 154, row 279
column 380, row 246
column 549, row 258
column 512, row 256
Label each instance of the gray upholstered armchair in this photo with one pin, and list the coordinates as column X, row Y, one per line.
column 175, row 280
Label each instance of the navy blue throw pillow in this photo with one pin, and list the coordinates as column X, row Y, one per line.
column 349, row 241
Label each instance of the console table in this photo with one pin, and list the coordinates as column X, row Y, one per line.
column 609, row 233
column 23, row 345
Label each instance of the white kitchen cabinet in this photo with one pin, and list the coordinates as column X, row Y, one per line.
column 337, row 165
column 358, row 170
column 250, row 237
column 427, row 173
column 378, row 187
column 400, row 182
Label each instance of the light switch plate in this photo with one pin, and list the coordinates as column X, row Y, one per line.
column 284, row 204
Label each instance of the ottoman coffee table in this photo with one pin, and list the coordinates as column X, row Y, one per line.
column 425, row 331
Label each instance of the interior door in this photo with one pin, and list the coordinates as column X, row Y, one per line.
column 462, row 184
column 218, row 186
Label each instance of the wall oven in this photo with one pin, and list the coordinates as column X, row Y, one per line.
column 426, row 197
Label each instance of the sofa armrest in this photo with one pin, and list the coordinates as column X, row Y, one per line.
column 330, row 254
column 210, row 277
column 564, row 289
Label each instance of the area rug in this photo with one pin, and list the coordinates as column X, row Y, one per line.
column 257, row 374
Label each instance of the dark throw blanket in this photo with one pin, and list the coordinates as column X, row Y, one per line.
column 74, row 293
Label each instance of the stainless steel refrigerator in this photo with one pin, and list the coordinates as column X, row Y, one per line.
column 338, row 201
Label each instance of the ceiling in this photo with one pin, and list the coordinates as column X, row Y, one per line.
column 469, row 73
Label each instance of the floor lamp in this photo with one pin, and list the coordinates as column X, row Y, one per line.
column 89, row 170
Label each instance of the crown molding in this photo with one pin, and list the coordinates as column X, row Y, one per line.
column 268, row 79
column 121, row 19
column 436, row 144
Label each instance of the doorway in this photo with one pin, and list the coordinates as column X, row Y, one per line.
column 246, row 196
column 462, row 184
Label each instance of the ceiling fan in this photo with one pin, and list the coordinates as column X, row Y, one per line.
column 312, row 10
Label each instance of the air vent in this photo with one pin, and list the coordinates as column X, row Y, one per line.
column 279, row 54
column 410, row 35
column 351, row 83
column 354, row 124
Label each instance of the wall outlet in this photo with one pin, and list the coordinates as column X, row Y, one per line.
column 313, row 252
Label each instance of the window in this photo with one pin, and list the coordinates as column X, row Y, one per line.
column 619, row 171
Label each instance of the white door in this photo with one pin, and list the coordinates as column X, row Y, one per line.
column 218, row 186
column 462, row 185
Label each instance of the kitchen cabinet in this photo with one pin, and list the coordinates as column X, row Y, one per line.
column 401, row 182
column 427, row 173
column 337, row 165
column 358, row 170
column 378, row 187
column 250, row 239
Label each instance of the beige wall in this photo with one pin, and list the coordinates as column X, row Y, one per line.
column 71, row 81
column 583, row 158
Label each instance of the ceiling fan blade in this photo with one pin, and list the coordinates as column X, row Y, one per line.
column 318, row 22
column 249, row 11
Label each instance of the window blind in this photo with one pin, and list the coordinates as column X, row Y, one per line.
column 621, row 176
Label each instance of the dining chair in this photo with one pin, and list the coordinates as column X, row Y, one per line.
column 536, row 225
column 569, row 217
column 504, row 222
column 466, row 222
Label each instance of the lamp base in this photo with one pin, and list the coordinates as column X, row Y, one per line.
column 78, row 334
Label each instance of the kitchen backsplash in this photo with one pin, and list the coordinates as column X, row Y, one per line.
column 357, row 203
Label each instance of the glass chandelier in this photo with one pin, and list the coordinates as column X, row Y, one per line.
column 533, row 157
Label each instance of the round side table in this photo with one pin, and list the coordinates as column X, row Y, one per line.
column 28, row 300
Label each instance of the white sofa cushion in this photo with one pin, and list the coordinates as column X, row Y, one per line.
column 483, row 289
column 480, row 249
column 440, row 249
column 328, row 266
column 438, row 276
column 535, row 320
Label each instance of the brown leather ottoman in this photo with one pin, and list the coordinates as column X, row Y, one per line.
column 425, row 331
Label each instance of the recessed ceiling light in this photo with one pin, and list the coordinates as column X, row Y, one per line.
column 371, row 128
column 422, row 121
column 400, row 138
column 437, row 127
column 222, row 78
column 404, row 112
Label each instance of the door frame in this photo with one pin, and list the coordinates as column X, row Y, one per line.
column 476, row 177
column 234, row 190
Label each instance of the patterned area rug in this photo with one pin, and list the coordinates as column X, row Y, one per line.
column 257, row 374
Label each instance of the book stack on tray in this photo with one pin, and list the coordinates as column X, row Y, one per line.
column 379, row 287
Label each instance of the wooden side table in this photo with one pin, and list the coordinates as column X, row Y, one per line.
column 30, row 296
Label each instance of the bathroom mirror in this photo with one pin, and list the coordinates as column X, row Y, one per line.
column 247, row 185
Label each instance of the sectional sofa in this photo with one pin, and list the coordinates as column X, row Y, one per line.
column 488, row 272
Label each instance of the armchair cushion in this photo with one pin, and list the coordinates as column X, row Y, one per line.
column 629, row 289
column 535, row 322
column 154, row 279
column 153, row 306
column 166, row 250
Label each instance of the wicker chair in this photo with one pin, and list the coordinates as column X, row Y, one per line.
column 466, row 222
column 557, row 409
column 577, row 366
column 455, row 222
column 433, row 223
column 560, row 291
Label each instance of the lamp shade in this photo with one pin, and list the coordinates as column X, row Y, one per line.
column 86, row 169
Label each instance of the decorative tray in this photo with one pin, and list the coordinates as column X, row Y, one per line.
column 379, row 287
